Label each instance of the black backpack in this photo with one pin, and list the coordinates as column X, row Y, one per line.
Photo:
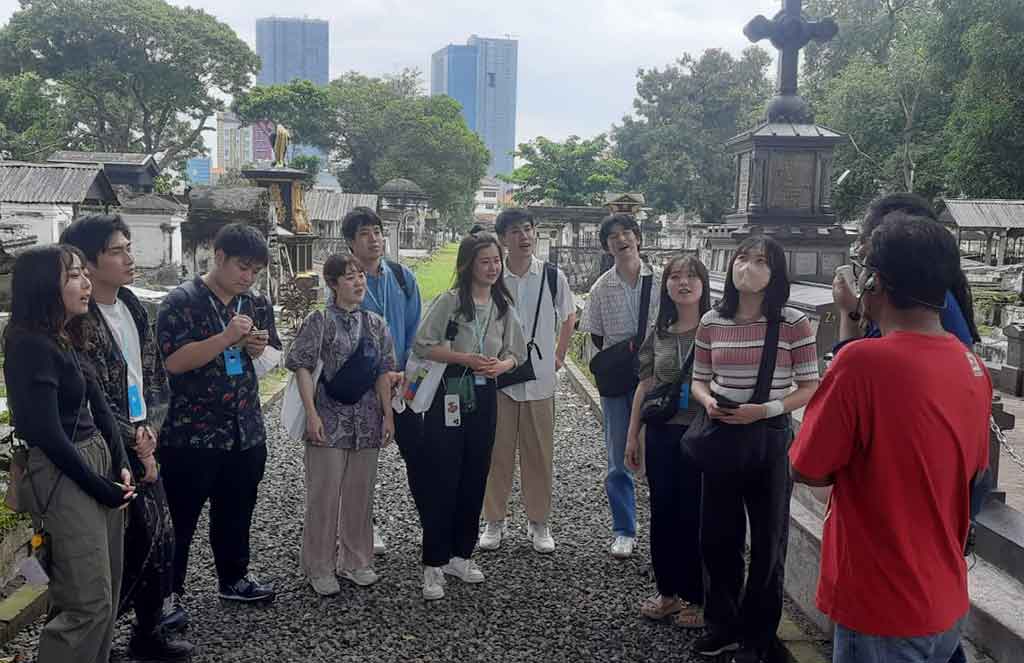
column 396, row 269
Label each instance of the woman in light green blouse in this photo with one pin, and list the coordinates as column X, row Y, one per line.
column 474, row 330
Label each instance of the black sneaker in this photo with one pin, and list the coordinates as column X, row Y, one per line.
column 158, row 645
column 247, row 590
column 714, row 644
column 749, row 654
column 175, row 618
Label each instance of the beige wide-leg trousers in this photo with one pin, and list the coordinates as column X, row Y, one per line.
column 528, row 426
column 337, row 534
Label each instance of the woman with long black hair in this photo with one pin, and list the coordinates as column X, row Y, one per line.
column 730, row 343
column 673, row 479
column 77, row 482
column 474, row 330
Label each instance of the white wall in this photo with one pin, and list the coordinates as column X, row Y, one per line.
column 44, row 220
column 149, row 242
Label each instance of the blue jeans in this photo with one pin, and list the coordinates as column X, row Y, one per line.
column 618, row 482
column 853, row 647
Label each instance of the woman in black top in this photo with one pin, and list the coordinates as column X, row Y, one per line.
column 77, row 482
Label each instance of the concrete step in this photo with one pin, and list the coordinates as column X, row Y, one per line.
column 20, row 609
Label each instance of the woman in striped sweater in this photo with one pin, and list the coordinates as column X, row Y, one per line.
column 729, row 343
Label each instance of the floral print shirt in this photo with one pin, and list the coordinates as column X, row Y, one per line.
column 345, row 426
column 209, row 408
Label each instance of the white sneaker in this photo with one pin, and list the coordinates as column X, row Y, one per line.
column 362, row 577
column 378, row 542
column 491, row 537
column 433, row 583
column 540, row 535
column 325, row 585
column 465, row 570
column 622, row 547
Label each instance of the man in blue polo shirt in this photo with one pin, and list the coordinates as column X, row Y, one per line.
column 391, row 292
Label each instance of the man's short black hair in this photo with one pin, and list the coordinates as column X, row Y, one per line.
column 91, row 234
column 917, row 259
column 240, row 240
column 905, row 203
column 511, row 217
column 477, row 228
column 626, row 221
column 356, row 219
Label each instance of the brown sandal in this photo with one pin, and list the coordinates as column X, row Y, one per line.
column 689, row 616
column 653, row 608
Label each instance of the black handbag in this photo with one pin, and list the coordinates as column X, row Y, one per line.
column 356, row 376
column 616, row 368
column 662, row 403
column 524, row 372
column 720, row 448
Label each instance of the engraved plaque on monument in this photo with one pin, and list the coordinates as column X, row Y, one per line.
column 791, row 180
column 743, row 185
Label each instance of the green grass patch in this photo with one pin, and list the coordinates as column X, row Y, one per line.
column 273, row 382
column 9, row 520
column 436, row 274
column 576, row 352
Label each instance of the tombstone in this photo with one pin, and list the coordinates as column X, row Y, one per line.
column 783, row 167
column 402, row 206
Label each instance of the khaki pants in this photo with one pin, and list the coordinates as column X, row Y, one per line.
column 337, row 534
column 528, row 426
column 87, row 541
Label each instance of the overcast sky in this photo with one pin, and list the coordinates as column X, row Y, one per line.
column 577, row 58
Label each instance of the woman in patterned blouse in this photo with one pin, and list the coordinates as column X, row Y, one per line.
column 342, row 440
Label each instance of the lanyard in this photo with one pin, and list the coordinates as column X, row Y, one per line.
column 382, row 304
column 481, row 332
column 220, row 318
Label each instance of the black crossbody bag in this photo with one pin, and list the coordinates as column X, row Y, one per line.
column 662, row 403
column 616, row 368
column 524, row 372
column 722, row 448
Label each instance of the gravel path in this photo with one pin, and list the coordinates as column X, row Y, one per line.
column 575, row 605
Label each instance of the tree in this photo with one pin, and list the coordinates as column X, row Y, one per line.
column 576, row 172
column 140, row 75
column 307, row 162
column 684, row 114
column 984, row 134
column 304, row 108
column 33, row 119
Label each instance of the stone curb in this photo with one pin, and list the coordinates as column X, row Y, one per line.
column 798, row 646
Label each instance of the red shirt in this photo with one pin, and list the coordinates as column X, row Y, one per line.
column 901, row 423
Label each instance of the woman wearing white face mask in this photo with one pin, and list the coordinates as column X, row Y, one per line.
column 730, row 342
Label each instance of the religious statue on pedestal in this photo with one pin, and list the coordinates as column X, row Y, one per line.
column 280, row 139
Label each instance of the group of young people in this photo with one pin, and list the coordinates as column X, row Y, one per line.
column 98, row 394
column 507, row 314
column 904, row 475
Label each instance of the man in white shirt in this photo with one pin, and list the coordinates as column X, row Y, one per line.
column 526, row 410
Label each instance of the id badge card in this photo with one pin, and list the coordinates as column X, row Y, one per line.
column 479, row 380
column 233, row 361
column 684, row 395
column 452, row 411
column 134, row 402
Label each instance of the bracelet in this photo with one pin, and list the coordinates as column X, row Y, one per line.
column 773, row 409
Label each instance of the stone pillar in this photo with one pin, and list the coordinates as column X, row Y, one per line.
column 1001, row 242
column 1010, row 378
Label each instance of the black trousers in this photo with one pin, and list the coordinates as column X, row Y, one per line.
column 764, row 495
column 675, row 489
column 451, row 470
column 229, row 480
column 148, row 556
column 409, row 436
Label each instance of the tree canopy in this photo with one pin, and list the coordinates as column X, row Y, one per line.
column 574, row 172
column 136, row 75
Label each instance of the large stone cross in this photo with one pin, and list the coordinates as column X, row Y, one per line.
column 789, row 32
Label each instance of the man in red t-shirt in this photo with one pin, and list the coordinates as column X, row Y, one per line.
column 898, row 427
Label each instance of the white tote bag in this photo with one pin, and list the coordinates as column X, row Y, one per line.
column 293, row 412
column 428, row 374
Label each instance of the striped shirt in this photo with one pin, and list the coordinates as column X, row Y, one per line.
column 728, row 354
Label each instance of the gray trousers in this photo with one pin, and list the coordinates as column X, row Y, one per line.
column 86, row 550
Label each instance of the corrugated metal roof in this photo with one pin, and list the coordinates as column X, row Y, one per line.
column 53, row 183
column 326, row 205
column 112, row 158
column 1002, row 214
column 794, row 130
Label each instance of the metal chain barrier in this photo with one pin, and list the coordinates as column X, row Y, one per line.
column 1003, row 442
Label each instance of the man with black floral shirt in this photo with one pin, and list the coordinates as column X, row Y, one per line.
column 213, row 444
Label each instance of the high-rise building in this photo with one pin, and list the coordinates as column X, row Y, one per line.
column 197, row 170
column 481, row 75
column 234, row 143
column 291, row 48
